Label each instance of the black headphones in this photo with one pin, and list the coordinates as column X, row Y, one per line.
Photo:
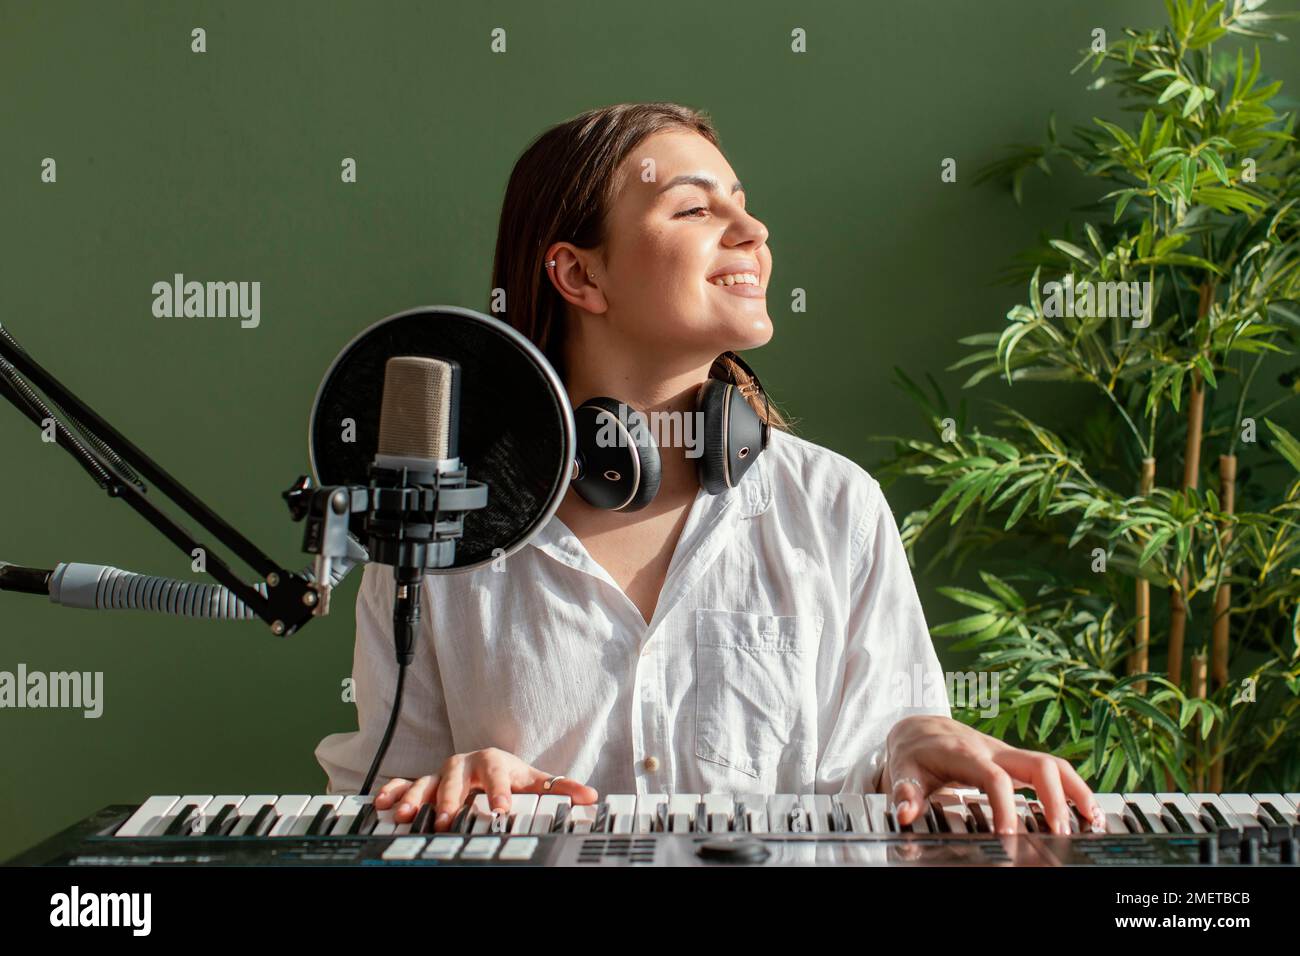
column 618, row 468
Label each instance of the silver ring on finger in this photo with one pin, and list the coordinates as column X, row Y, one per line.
column 912, row 780
column 551, row 782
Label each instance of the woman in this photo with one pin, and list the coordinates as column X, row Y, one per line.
column 751, row 641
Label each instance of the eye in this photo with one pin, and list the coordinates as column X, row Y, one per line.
column 687, row 212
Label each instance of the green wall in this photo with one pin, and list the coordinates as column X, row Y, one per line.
column 225, row 165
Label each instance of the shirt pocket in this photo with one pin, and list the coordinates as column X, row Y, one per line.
column 752, row 680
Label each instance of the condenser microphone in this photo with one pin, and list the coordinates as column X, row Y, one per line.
column 417, row 458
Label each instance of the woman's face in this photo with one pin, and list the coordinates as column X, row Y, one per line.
column 670, row 238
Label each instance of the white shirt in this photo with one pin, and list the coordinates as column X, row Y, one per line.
column 786, row 643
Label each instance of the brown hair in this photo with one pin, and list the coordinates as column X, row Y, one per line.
column 560, row 190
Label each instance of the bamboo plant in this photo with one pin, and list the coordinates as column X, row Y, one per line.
column 1148, row 627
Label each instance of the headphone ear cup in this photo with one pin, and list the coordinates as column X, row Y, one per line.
column 618, row 460
column 733, row 436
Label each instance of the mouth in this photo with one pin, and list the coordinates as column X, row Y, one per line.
column 744, row 284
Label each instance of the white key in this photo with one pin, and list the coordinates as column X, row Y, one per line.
column 972, row 799
column 1186, row 807
column 953, row 810
column 1294, row 800
column 545, row 815
column 622, row 808
column 1245, row 806
column 146, row 816
column 480, row 814
column 718, row 807
column 349, row 807
column 248, row 809
column 404, row 848
column 647, row 805
column 522, row 808
column 681, row 811
column 1024, row 816
column 581, row 817
column 199, row 801
column 1234, row 819
column 817, row 809
column 1281, row 804
column 877, row 804
column 756, row 810
column 308, row 814
column 779, row 808
column 386, row 825
column 287, row 808
column 1112, row 805
column 1151, row 809
column 518, row 848
column 855, row 811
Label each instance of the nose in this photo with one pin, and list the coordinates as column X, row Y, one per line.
column 747, row 229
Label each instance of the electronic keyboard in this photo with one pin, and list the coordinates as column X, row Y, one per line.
column 681, row 829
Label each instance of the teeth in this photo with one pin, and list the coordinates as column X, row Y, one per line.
column 743, row 278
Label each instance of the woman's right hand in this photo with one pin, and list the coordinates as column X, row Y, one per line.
column 494, row 771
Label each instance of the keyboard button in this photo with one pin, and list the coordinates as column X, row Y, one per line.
column 518, row 848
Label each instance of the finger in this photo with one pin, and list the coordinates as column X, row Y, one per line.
column 578, row 793
column 418, row 794
column 996, row 783
column 1082, row 795
column 907, row 799
column 389, row 792
column 452, row 789
column 494, row 775
column 1046, row 781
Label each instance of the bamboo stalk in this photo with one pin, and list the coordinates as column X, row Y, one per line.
column 1222, row 603
column 1139, row 660
column 1198, row 690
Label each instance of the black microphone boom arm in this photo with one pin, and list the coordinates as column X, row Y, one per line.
column 290, row 598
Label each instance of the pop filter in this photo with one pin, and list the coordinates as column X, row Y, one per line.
column 516, row 422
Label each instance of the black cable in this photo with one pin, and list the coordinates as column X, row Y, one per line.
column 388, row 732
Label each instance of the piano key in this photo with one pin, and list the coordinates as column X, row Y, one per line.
column 877, row 805
column 544, row 816
column 1150, row 809
column 622, row 808
column 262, row 821
column 603, row 821
column 817, row 810
column 1116, row 812
column 349, row 809
column 646, row 807
column 225, row 806
column 480, row 814
column 581, row 817
column 755, row 810
column 522, row 808
column 980, row 810
column 194, row 803
column 1223, row 815
column 1294, row 800
column 186, row 821
column 855, row 811
column 320, row 823
column 561, row 822
column 681, row 810
column 423, row 822
column 1248, row 811
column 779, row 807
column 718, row 809
column 307, row 819
column 287, row 808
column 700, row 820
column 1190, row 819
column 146, row 817
column 461, row 819
column 954, row 811
column 224, row 821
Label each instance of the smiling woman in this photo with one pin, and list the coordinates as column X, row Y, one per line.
column 743, row 641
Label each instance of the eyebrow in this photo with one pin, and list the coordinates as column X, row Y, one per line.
column 707, row 183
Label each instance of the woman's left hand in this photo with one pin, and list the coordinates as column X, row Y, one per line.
column 939, row 751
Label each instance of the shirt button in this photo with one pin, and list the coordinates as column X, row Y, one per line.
column 651, row 763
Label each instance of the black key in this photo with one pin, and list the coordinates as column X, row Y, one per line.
column 604, row 823
column 1140, row 817
column 185, row 824
column 423, row 822
column 1085, row 824
column 263, row 820
column 941, row 824
column 321, row 822
column 1217, row 823
column 740, row 817
column 701, row 822
column 982, row 824
column 365, row 821
column 660, row 824
column 1040, row 820
column 839, row 821
column 1273, row 812
column 561, row 822
column 1176, row 820
column 227, row 819
column 460, row 822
